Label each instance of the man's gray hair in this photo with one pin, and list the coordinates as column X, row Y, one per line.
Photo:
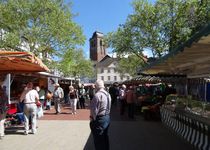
column 99, row 84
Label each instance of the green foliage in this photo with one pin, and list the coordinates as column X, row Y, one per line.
column 75, row 64
column 128, row 65
column 44, row 26
column 158, row 26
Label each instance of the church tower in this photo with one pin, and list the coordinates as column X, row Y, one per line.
column 97, row 47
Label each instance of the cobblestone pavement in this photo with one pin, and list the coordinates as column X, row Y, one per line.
column 71, row 132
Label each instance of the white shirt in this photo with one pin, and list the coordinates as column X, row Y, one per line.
column 29, row 96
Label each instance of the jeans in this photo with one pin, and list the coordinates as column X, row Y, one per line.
column 57, row 105
column 99, row 129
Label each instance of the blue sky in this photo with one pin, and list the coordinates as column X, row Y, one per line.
column 100, row 15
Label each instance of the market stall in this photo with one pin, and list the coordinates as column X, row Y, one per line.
column 17, row 68
column 187, row 114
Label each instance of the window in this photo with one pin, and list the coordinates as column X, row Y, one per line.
column 109, row 78
column 121, row 78
column 115, row 78
column 108, row 70
column 115, row 70
column 102, row 77
column 102, row 70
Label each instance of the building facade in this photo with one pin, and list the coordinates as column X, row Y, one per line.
column 105, row 66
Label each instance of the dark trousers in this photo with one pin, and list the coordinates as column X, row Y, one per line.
column 82, row 103
column 78, row 105
column 114, row 99
column 91, row 97
column 122, row 106
column 131, row 110
column 99, row 129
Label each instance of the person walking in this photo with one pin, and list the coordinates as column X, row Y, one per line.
column 114, row 92
column 91, row 91
column 82, row 94
column 30, row 98
column 73, row 99
column 3, row 110
column 122, row 94
column 130, row 99
column 66, row 95
column 57, row 96
column 100, row 116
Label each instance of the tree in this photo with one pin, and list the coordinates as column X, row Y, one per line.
column 44, row 27
column 75, row 64
column 129, row 65
column 158, row 27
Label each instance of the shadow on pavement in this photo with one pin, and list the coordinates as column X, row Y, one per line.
column 138, row 134
column 18, row 130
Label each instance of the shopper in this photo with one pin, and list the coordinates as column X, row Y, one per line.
column 42, row 98
column 73, row 99
column 82, row 96
column 100, row 116
column 114, row 92
column 130, row 99
column 30, row 97
column 91, row 91
column 3, row 110
column 57, row 96
column 122, row 94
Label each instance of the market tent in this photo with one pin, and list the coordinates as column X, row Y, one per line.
column 46, row 75
column 191, row 58
column 155, row 78
column 20, row 62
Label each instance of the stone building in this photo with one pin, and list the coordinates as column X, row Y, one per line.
column 97, row 47
column 105, row 66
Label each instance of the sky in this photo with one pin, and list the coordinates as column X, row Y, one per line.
column 100, row 15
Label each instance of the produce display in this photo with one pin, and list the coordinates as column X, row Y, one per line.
column 188, row 104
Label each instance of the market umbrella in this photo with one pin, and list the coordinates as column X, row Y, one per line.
column 11, row 61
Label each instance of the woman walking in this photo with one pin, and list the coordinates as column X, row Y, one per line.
column 73, row 99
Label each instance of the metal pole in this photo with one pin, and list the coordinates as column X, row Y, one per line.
column 205, row 90
column 9, row 87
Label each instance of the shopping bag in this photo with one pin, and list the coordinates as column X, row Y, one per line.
column 38, row 103
column 40, row 112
